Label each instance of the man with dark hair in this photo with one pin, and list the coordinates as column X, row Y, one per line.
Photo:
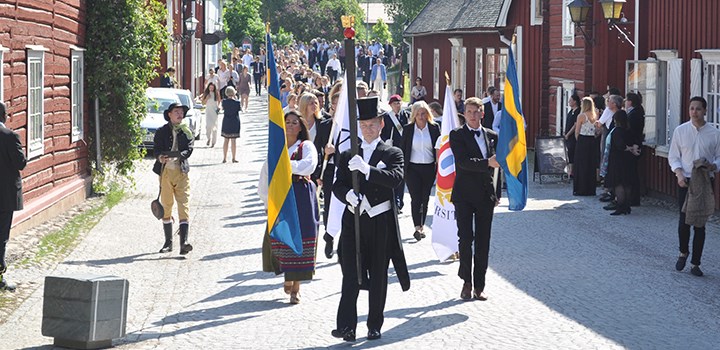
column 168, row 79
column 694, row 153
column 459, row 102
column 380, row 170
column 12, row 160
column 492, row 110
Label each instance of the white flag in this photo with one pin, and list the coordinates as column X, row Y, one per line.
column 340, row 136
column 444, row 226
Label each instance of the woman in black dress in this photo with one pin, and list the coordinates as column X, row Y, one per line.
column 585, row 157
column 569, row 132
column 230, row 123
column 622, row 151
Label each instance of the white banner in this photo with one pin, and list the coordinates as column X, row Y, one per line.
column 340, row 136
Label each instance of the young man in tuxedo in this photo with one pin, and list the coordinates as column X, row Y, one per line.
column 476, row 193
column 12, row 160
column 380, row 170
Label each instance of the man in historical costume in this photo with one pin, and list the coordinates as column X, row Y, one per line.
column 12, row 160
column 475, row 195
column 173, row 147
column 380, row 172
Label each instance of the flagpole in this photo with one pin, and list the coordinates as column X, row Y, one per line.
column 349, row 32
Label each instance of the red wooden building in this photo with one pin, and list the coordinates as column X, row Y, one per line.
column 41, row 50
column 470, row 41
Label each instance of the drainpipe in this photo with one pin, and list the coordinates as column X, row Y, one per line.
column 98, row 156
column 637, row 30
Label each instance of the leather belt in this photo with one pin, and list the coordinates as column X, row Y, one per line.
column 373, row 211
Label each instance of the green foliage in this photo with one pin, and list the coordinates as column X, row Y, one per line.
column 282, row 38
column 403, row 12
column 242, row 19
column 380, row 31
column 312, row 18
column 124, row 40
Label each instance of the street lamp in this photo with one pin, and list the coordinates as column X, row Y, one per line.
column 579, row 10
column 612, row 9
column 191, row 26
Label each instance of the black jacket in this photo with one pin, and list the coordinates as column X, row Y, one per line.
column 163, row 143
column 12, row 160
column 379, row 187
column 322, row 137
column 489, row 116
column 389, row 131
column 636, row 121
column 407, row 140
column 473, row 175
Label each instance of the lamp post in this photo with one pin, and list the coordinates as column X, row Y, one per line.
column 190, row 28
column 612, row 12
column 579, row 10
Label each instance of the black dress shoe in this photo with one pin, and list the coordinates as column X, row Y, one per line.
column 695, row 270
column 374, row 334
column 5, row 285
column 328, row 246
column 606, row 197
column 611, row 206
column 418, row 236
column 466, row 293
column 680, row 264
column 345, row 333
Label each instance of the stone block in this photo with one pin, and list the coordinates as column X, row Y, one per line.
column 84, row 311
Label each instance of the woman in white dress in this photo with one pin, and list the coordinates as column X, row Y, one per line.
column 211, row 99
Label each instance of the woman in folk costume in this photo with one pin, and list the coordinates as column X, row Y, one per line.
column 173, row 147
column 278, row 257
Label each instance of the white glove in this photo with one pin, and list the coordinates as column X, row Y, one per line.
column 352, row 198
column 359, row 164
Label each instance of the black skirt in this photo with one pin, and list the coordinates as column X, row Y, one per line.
column 585, row 165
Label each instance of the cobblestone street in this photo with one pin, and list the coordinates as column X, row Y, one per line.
column 563, row 275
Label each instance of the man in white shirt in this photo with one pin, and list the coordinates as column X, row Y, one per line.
column 246, row 59
column 692, row 141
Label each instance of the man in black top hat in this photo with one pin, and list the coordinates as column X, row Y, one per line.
column 173, row 146
column 380, row 172
column 12, row 160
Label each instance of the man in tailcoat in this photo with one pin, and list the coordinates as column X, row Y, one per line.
column 395, row 119
column 12, row 160
column 380, row 170
column 475, row 194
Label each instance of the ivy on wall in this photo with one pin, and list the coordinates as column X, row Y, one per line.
column 124, row 40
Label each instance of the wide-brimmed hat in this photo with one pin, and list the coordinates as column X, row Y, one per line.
column 173, row 106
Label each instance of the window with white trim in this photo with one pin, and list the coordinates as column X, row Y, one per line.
column 536, row 17
column 479, row 72
column 644, row 77
column 568, row 27
column 712, row 92
column 35, row 109
column 496, row 69
column 436, row 73
column 77, row 76
column 419, row 63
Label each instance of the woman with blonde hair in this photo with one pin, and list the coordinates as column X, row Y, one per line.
column 418, row 146
column 586, row 151
column 309, row 108
column 231, row 123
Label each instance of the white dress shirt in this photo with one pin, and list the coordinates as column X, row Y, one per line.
column 369, row 148
column 334, row 63
column 690, row 143
column 312, row 131
column 606, row 117
column 304, row 166
column 496, row 120
column 480, row 141
column 422, row 147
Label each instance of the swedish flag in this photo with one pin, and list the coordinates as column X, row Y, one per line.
column 283, row 222
column 512, row 144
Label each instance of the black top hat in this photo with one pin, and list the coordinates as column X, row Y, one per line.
column 176, row 105
column 367, row 107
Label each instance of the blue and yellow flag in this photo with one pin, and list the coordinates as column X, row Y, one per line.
column 512, row 144
column 283, row 222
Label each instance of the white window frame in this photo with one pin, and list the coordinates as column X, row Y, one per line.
column 536, row 17
column 564, row 93
column 3, row 50
column 77, row 93
column 419, row 65
column 479, row 77
column 436, row 73
column 655, row 105
column 458, row 67
column 568, row 27
column 169, row 24
column 711, row 85
column 35, row 100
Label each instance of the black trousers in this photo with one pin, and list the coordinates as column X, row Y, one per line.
column 366, row 77
column 481, row 215
column 374, row 260
column 684, row 232
column 258, row 83
column 327, row 191
column 419, row 179
column 6, row 218
column 332, row 74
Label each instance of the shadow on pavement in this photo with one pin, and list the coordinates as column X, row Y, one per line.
column 241, row 252
column 246, row 223
column 126, row 259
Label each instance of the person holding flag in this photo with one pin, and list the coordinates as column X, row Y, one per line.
column 475, row 194
column 288, row 193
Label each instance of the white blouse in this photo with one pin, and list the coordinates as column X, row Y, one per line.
column 303, row 167
column 422, row 147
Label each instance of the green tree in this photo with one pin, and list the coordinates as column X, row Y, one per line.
column 380, row 31
column 242, row 19
column 402, row 12
column 124, row 40
column 312, row 18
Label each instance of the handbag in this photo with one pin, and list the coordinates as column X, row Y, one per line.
column 155, row 206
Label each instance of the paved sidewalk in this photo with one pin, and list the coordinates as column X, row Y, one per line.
column 563, row 275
